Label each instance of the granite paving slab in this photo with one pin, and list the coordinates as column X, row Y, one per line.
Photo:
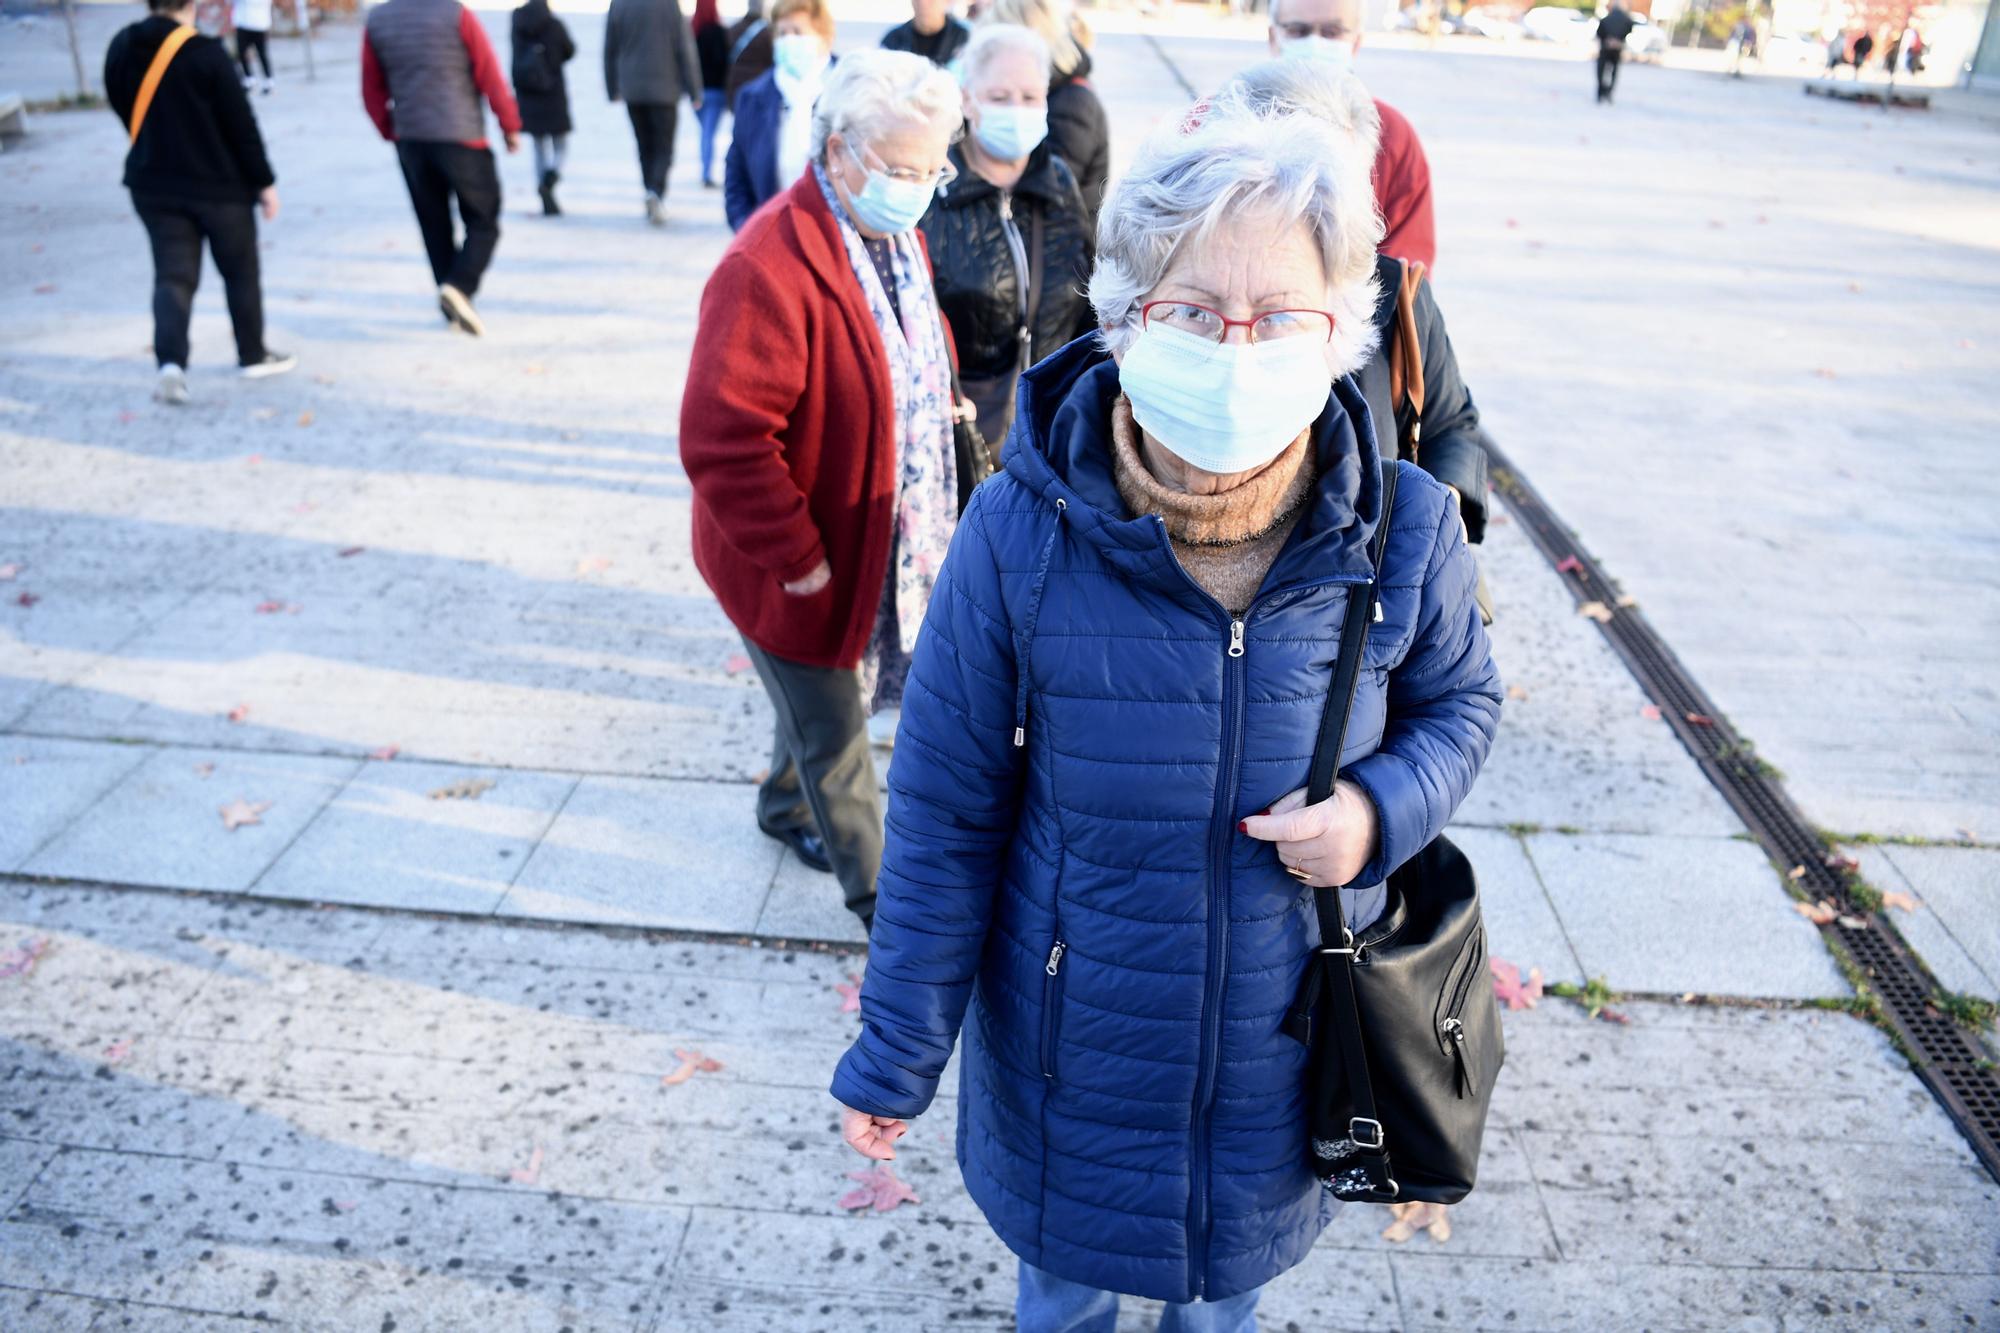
column 1925, row 930
column 1521, row 926
column 45, row 784
column 1961, row 888
column 161, row 825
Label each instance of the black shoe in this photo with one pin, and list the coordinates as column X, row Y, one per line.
column 550, row 208
column 807, row 845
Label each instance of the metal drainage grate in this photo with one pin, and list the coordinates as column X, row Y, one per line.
column 1947, row 1058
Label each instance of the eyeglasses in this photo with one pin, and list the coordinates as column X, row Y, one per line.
column 936, row 180
column 1270, row 326
column 1334, row 31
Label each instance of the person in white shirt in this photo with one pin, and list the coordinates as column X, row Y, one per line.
column 252, row 19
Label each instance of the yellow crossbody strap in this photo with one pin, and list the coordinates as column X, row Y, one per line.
column 154, row 73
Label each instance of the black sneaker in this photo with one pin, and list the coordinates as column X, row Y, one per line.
column 274, row 363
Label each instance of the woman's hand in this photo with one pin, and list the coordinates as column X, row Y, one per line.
column 871, row 1135
column 267, row 198
column 811, row 583
column 1329, row 842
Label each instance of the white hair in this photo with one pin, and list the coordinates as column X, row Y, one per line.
column 1308, row 88
column 1225, row 165
column 1053, row 26
column 995, row 39
column 872, row 93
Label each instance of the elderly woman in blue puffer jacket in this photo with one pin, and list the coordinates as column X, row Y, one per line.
column 1098, row 852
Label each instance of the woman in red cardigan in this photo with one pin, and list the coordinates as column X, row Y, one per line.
column 816, row 430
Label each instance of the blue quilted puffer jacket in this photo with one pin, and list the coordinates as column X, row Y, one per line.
column 1082, row 730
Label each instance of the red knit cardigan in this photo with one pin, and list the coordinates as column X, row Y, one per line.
column 788, row 435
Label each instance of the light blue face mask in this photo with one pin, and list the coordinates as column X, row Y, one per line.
column 1325, row 50
column 886, row 204
column 1224, row 407
column 1010, row 133
column 798, row 56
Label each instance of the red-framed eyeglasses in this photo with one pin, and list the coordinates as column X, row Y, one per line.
column 1212, row 325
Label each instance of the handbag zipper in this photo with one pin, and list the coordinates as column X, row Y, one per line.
column 1051, row 1000
column 1467, row 1085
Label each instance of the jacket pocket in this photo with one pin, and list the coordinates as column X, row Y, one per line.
column 1458, row 989
column 1052, row 1003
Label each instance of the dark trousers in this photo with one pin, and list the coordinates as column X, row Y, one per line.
column 822, row 776
column 437, row 174
column 653, row 126
column 1607, row 71
column 177, row 228
column 253, row 39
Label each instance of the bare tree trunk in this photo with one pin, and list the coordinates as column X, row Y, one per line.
column 75, row 47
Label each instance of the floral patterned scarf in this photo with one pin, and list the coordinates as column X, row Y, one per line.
column 926, row 511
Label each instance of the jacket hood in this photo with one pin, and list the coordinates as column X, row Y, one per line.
column 1060, row 449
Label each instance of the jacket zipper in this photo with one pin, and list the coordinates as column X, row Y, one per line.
column 1051, row 1002
column 1017, row 253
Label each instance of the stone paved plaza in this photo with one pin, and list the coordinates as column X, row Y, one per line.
column 385, row 1060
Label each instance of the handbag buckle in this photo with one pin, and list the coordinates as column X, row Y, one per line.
column 1354, row 1132
column 1346, row 943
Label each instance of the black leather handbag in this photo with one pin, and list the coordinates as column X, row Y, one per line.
column 1400, row 1020
column 971, row 453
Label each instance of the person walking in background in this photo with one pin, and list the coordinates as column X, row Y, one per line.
column 750, row 50
column 542, row 46
column 1079, row 130
column 425, row 64
column 650, row 64
column 772, row 141
column 711, row 48
column 252, row 21
column 1612, row 30
column 932, row 32
column 816, row 431
column 1329, row 31
column 197, row 172
column 1010, row 240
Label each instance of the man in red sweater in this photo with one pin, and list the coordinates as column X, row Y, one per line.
column 424, row 66
column 1330, row 30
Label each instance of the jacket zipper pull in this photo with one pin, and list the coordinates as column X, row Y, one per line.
column 1454, row 1029
column 1054, row 964
column 1236, row 638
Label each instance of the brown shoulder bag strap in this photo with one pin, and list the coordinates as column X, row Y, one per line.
column 1406, row 360
column 154, row 73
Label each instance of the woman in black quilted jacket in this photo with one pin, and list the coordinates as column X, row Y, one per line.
column 1079, row 129
column 1009, row 240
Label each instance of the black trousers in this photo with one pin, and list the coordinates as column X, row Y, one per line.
column 177, row 228
column 822, row 776
column 253, row 39
column 1607, row 72
column 653, row 126
column 437, row 174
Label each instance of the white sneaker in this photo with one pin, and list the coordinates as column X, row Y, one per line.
column 656, row 210
column 274, row 363
column 172, row 387
column 457, row 307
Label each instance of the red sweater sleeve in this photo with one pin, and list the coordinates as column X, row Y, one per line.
column 486, row 72
column 375, row 91
column 1402, row 179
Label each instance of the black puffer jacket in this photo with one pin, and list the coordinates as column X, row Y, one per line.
column 978, row 285
column 1451, row 446
column 1080, row 132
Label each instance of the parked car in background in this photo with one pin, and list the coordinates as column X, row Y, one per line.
column 1648, row 41
column 1480, row 21
column 1558, row 24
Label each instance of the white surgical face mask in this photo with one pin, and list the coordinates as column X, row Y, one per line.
column 1224, row 407
column 1338, row 54
column 798, row 56
column 1010, row 133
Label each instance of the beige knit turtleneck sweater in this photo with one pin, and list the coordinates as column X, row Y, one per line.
column 1228, row 541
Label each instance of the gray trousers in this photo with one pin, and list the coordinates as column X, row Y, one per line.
column 822, row 776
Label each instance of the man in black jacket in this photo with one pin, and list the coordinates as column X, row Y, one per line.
column 933, row 32
column 1612, row 30
column 196, row 170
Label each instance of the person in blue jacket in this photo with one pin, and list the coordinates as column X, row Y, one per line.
column 1099, row 855
column 772, row 139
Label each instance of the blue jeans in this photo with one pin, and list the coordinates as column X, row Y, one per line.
column 1050, row 1304
column 710, row 116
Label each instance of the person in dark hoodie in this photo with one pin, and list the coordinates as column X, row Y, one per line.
column 542, row 46
column 197, row 172
column 1079, row 129
column 1612, row 30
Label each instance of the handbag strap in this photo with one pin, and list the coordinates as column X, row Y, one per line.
column 156, row 71
column 1406, row 364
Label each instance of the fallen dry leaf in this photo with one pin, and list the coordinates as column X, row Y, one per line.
column 850, row 993
column 1569, row 564
column 8, row 573
column 386, row 752
column 1614, row 1016
column 44, row 288
column 1826, row 374
column 1597, row 611
column 238, row 813
column 1818, row 913
column 27, row 599
column 880, row 1190
column 1853, row 922
column 1699, row 719
column 691, row 1062
column 1516, row 692
column 254, row 459
column 343, row 1205
column 465, row 789
column 1626, row 601
column 21, row 962
column 203, row 770
column 736, row 665
column 348, row 551
column 1508, row 987
column 116, row 1052
column 1899, row 899
column 1651, row 712
column 306, row 417
column 238, row 713
column 595, row 564
column 1838, row 862
column 277, row 608
column 1796, row 872
column 1410, row 1218
column 532, row 1172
